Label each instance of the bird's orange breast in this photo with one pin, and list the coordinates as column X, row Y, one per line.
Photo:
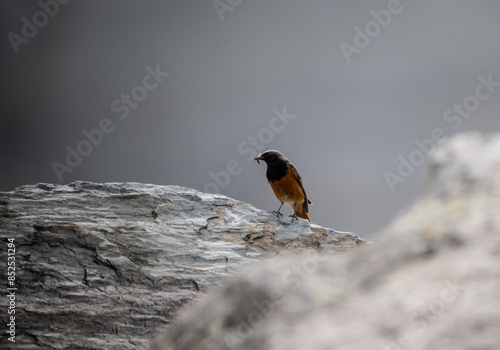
column 287, row 189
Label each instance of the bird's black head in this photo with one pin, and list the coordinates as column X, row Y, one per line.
column 271, row 157
column 277, row 164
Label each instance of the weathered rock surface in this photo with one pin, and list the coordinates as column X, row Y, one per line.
column 431, row 282
column 103, row 266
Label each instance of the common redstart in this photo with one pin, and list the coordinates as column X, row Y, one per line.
column 286, row 183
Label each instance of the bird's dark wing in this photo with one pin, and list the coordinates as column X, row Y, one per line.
column 299, row 180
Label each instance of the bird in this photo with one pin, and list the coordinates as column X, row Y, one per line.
column 286, row 183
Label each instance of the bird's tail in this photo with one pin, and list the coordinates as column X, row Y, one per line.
column 301, row 211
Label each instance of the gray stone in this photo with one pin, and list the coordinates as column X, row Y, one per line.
column 104, row 266
column 431, row 281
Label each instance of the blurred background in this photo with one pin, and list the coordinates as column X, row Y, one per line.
column 362, row 90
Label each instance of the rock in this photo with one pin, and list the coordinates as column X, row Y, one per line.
column 432, row 281
column 103, row 266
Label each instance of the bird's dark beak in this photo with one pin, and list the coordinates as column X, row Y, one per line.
column 258, row 158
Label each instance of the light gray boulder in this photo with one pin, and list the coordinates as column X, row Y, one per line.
column 432, row 280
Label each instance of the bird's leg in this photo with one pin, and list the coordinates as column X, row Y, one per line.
column 278, row 212
column 294, row 217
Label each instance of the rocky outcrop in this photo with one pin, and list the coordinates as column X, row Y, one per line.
column 103, row 266
column 430, row 282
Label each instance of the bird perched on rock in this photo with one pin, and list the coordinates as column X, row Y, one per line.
column 286, row 183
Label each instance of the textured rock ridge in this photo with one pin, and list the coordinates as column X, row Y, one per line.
column 103, row 266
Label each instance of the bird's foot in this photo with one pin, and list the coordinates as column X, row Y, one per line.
column 277, row 213
column 294, row 217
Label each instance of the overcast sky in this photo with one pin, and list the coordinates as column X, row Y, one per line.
column 182, row 90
